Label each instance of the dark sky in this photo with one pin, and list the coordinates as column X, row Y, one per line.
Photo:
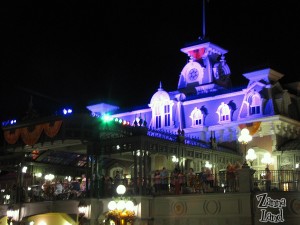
column 71, row 52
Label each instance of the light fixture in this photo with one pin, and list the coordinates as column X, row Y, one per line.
column 244, row 139
column 49, row 177
column 208, row 165
column 175, row 159
column 67, row 111
column 24, row 169
column 38, row 174
column 82, row 207
column 121, row 189
column 10, row 214
column 251, row 155
column 121, row 210
column 267, row 159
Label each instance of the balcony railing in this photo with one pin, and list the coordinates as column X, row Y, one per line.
column 281, row 180
column 221, row 182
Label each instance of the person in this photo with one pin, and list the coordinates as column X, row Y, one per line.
column 83, row 183
column 174, row 182
column 231, row 177
column 209, row 178
column 47, row 190
column 66, row 184
column 180, row 182
column 75, row 185
column 203, row 180
column 268, row 179
column 58, row 188
column 108, row 185
column 255, row 187
column 117, row 178
column 298, row 178
column 156, row 181
column 164, row 179
column 190, row 178
column 75, row 188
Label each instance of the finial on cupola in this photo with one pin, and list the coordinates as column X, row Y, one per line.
column 160, row 86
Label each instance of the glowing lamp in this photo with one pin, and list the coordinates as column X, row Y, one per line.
column 121, row 189
column 121, row 205
column 129, row 205
column 112, row 205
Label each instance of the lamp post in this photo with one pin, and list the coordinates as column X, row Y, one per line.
column 244, row 139
column 208, row 165
column 82, row 207
column 10, row 214
column 267, row 159
column 121, row 210
column 175, row 160
column 251, row 155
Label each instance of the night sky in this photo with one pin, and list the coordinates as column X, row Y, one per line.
column 75, row 53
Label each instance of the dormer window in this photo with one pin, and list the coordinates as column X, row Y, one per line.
column 224, row 113
column 197, row 117
column 161, row 106
column 254, row 101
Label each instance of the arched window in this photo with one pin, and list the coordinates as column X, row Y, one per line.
column 197, row 117
column 167, row 115
column 254, row 101
column 224, row 113
column 161, row 106
column 157, row 114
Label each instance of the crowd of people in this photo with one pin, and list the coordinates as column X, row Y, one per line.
column 59, row 189
column 178, row 181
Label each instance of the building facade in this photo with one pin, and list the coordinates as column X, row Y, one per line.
column 197, row 125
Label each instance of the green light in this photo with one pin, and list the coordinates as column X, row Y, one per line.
column 106, row 118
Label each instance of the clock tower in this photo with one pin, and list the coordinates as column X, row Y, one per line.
column 206, row 70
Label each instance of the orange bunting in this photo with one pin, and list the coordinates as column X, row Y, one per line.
column 252, row 127
column 30, row 135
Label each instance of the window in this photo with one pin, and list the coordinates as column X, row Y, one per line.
column 224, row 113
column 157, row 118
column 161, row 106
column 197, row 117
column 167, row 116
column 254, row 101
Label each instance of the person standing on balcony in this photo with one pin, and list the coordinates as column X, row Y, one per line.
column 117, row 178
column 209, row 178
column 191, row 179
column 298, row 178
column 75, row 188
column 231, row 177
column 58, row 188
column 157, row 181
column 164, row 179
column 181, row 181
column 83, row 183
column 268, row 179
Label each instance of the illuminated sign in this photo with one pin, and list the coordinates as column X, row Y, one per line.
column 265, row 203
